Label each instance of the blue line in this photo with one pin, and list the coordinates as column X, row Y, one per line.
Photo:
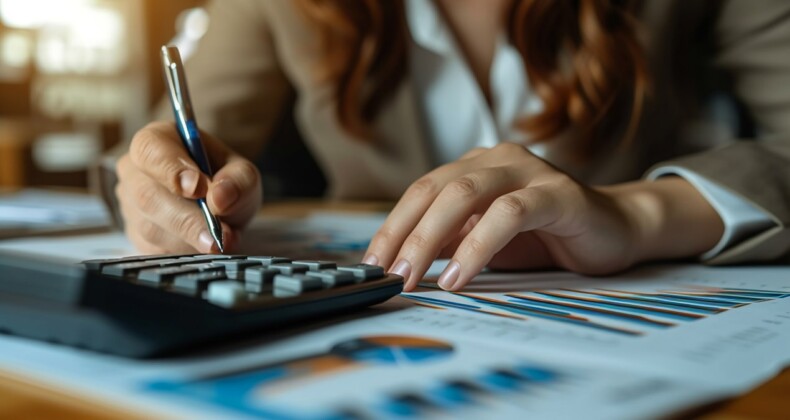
column 441, row 302
column 520, row 305
column 641, row 311
column 701, row 300
column 662, row 303
column 542, row 313
column 595, row 313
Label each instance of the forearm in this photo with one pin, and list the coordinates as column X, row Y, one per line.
column 669, row 218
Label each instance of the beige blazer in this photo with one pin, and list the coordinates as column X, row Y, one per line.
column 260, row 54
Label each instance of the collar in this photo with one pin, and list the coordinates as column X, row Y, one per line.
column 427, row 26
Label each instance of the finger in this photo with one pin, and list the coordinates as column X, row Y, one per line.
column 157, row 151
column 408, row 211
column 450, row 248
column 149, row 238
column 235, row 192
column 180, row 218
column 523, row 210
column 453, row 207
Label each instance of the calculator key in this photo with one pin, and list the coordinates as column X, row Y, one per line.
column 226, row 293
column 297, row 283
column 316, row 265
column 333, row 278
column 289, row 269
column 260, row 275
column 210, row 257
column 258, row 288
column 163, row 274
column 97, row 265
column 206, row 266
column 237, row 265
column 196, row 283
column 267, row 260
column 363, row 272
column 125, row 268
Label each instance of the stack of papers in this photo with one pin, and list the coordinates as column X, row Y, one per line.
column 648, row 343
column 32, row 210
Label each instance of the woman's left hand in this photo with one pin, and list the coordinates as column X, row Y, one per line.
column 508, row 209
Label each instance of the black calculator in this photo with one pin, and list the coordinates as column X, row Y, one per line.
column 146, row 306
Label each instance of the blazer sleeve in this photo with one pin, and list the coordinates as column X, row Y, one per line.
column 753, row 48
column 238, row 89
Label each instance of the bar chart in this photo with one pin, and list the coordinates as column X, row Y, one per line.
column 611, row 310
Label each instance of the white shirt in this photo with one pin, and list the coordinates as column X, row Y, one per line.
column 457, row 117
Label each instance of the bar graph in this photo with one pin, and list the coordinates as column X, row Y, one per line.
column 615, row 310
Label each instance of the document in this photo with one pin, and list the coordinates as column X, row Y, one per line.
column 35, row 210
column 651, row 342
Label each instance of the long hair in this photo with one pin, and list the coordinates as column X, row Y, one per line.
column 582, row 58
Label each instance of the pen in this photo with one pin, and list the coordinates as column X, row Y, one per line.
column 176, row 82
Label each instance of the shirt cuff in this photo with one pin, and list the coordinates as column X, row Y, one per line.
column 741, row 218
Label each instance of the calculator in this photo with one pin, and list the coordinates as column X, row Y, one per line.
column 148, row 306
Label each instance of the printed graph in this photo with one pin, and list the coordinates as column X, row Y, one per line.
column 611, row 310
column 262, row 390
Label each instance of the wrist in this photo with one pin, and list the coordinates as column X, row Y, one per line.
column 668, row 218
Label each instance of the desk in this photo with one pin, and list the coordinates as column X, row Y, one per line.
column 24, row 398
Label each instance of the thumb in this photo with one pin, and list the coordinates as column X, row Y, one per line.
column 235, row 192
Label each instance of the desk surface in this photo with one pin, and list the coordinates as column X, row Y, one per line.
column 24, row 398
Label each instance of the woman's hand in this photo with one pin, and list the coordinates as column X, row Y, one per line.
column 508, row 209
column 158, row 185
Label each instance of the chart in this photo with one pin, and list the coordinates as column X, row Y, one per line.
column 610, row 310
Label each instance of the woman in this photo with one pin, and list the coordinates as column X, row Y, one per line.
column 541, row 117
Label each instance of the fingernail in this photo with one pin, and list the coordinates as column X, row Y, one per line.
column 403, row 269
column 449, row 276
column 206, row 242
column 225, row 194
column 370, row 259
column 189, row 180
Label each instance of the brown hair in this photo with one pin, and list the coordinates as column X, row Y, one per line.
column 582, row 58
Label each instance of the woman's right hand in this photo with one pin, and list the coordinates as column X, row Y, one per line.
column 158, row 183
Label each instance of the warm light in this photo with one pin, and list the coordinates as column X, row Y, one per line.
column 33, row 14
column 16, row 49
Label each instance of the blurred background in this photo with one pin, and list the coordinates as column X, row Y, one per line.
column 79, row 76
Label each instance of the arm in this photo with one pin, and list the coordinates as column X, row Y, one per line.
column 753, row 48
column 237, row 91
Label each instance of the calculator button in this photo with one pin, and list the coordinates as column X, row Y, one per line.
column 196, row 283
column 289, row 269
column 363, row 272
column 210, row 257
column 226, row 293
column 267, row 260
column 97, row 265
column 125, row 268
column 316, row 265
column 333, row 278
column 258, row 288
column 235, row 268
column 297, row 283
column 163, row 274
column 258, row 277
column 206, row 266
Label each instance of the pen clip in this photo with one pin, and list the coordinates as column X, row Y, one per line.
column 176, row 83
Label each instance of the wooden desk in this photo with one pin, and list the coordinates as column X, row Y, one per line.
column 15, row 139
column 23, row 398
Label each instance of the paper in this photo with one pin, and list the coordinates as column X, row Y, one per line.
column 42, row 209
column 323, row 236
column 362, row 369
column 648, row 343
